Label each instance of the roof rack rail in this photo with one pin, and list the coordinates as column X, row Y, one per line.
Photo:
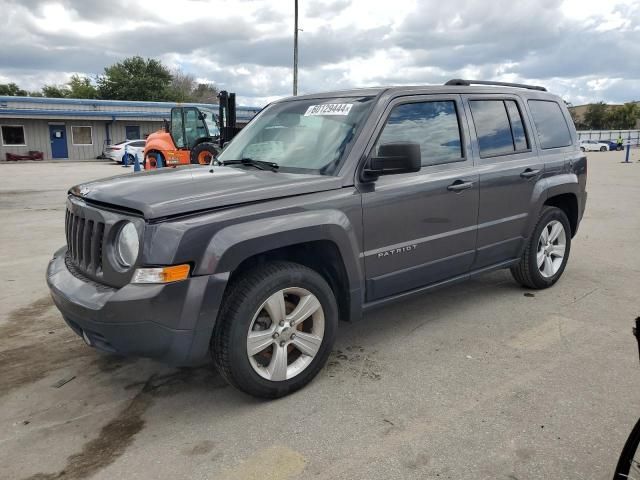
column 459, row 81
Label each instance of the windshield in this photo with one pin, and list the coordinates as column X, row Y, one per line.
column 210, row 120
column 305, row 136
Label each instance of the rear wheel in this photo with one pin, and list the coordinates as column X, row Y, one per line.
column 603, row 149
column 275, row 330
column 547, row 252
column 629, row 463
column 203, row 153
column 582, row 149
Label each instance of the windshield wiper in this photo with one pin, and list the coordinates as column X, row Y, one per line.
column 260, row 164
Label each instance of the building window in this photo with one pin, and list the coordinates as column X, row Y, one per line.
column 13, row 135
column 81, row 136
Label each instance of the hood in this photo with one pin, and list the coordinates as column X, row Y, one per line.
column 173, row 191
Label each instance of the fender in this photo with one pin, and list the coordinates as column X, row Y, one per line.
column 547, row 188
column 235, row 243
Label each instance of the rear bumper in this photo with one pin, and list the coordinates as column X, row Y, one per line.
column 172, row 323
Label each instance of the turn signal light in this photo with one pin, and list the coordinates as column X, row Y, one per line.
column 174, row 273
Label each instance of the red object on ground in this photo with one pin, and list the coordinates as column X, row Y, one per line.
column 33, row 155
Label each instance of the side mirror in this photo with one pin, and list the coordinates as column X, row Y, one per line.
column 393, row 158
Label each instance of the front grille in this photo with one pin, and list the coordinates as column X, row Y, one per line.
column 84, row 242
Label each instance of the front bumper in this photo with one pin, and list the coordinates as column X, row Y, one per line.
column 172, row 322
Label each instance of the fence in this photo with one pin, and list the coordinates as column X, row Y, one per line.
column 629, row 136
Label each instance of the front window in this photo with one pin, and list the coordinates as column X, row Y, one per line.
column 210, row 119
column 301, row 136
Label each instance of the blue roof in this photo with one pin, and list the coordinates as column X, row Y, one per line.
column 109, row 108
column 112, row 103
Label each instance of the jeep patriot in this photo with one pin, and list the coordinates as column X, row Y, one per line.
column 324, row 206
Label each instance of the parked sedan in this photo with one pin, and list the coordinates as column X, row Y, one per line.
column 613, row 145
column 594, row 146
column 116, row 151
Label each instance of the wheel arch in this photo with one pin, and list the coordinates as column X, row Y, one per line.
column 568, row 203
column 323, row 241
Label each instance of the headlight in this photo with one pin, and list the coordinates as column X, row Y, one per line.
column 127, row 245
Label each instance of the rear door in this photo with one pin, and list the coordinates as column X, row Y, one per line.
column 420, row 228
column 509, row 170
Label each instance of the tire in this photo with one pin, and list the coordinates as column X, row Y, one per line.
column 245, row 306
column 528, row 272
column 603, row 149
column 203, row 153
column 152, row 159
column 130, row 159
column 628, row 456
column 619, row 148
column 582, row 149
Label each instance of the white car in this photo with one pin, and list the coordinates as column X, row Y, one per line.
column 593, row 146
column 116, row 151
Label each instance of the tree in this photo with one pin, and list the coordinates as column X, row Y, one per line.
column 12, row 90
column 595, row 118
column 81, row 87
column 136, row 79
column 55, row 91
column 185, row 89
column 182, row 85
column 205, row 93
column 624, row 117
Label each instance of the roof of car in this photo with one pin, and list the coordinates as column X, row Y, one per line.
column 418, row 89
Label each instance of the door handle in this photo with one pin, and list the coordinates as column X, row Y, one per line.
column 528, row 173
column 459, row 185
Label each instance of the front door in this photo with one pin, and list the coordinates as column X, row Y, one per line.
column 420, row 228
column 58, row 138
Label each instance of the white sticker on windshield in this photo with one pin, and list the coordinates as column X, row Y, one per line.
column 329, row 109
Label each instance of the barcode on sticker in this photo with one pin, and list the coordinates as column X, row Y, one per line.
column 329, row 109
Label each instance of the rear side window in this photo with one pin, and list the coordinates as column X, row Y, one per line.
column 552, row 127
column 499, row 127
column 434, row 125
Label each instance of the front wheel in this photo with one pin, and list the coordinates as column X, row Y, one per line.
column 629, row 463
column 547, row 251
column 275, row 330
column 603, row 149
column 203, row 153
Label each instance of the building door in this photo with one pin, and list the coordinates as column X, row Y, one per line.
column 58, row 137
column 132, row 132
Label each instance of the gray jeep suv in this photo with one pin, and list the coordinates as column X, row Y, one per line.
column 322, row 208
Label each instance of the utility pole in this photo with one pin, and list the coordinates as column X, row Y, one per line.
column 295, row 51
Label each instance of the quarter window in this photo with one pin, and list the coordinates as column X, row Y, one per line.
column 13, row 135
column 81, row 136
column 553, row 131
column 434, row 125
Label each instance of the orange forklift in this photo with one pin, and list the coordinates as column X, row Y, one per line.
column 194, row 135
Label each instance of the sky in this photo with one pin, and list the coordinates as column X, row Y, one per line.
column 582, row 50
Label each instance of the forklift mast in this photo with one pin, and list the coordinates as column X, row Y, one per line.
column 227, row 117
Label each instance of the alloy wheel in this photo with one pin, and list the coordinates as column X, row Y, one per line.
column 285, row 334
column 551, row 248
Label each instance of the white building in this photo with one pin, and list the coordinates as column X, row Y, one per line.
column 76, row 129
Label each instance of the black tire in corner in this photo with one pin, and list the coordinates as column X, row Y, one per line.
column 242, row 300
column 526, row 272
column 204, row 151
